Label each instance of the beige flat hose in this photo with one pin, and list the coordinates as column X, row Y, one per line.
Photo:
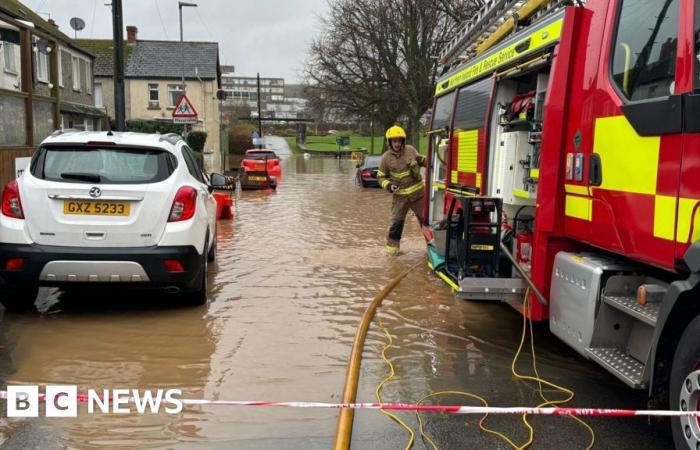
column 343, row 431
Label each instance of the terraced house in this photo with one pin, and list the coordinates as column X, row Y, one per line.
column 153, row 80
column 46, row 83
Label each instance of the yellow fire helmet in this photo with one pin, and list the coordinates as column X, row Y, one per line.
column 395, row 132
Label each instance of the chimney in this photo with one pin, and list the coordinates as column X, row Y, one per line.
column 131, row 33
column 53, row 22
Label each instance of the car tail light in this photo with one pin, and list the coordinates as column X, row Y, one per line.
column 173, row 265
column 14, row 265
column 184, row 205
column 11, row 203
column 366, row 173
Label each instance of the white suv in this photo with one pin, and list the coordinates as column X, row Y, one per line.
column 108, row 208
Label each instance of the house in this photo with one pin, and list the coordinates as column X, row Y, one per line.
column 153, row 80
column 46, row 83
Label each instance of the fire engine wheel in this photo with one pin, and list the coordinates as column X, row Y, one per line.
column 685, row 388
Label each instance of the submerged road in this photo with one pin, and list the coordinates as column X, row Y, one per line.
column 295, row 271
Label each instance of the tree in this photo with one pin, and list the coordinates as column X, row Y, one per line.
column 377, row 59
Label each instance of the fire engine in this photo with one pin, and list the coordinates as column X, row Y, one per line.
column 564, row 145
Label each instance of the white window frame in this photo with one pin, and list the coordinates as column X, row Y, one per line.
column 154, row 87
column 41, row 62
column 173, row 88
column 100, row 96
column 88, row 76
column 7, row 46
column 75, row 68
column 60, row 68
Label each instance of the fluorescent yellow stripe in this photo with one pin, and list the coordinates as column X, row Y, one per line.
column 467, row 151
column 686, row 222
column 521, row 193
column 534, row 173
column 631, row 162
column 539, row 38
column 447, row 280
column 380, row 173
column 430, row 266
column 385, row 183
column 665, row 217
column 400, row 175
column 478, row 180
column 411, row 189
column 455, row 177
column 439, row 185
column 574, row 189
column 579, row 207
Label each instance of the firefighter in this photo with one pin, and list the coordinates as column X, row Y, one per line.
column 399, row 173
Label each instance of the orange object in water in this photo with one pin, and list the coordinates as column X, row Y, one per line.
column 224, row 202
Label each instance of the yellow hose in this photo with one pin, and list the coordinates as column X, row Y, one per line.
column 343, row 430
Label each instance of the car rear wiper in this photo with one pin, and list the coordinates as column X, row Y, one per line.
column 93, row 177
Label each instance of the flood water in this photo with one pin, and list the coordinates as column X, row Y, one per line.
column 295, row 271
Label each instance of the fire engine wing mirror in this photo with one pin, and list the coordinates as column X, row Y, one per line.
column 595, row 171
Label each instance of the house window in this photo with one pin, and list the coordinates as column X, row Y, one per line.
column 41, row 62
column 88, row 76
column 9, row 51
column 174, row 94
column 76, row 73
column 99, row 102
column 61, row 56
column 13, row 120
column 153, row 96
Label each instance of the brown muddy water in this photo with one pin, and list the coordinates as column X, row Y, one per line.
column 295, row 271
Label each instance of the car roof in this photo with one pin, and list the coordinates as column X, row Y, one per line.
column 165, row 141
column 260, row 150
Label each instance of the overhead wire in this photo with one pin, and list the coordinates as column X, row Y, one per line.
column 162, row 24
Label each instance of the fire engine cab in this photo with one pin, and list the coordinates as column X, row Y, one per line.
column 564, row 164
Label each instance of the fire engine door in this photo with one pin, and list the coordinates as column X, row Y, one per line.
column 633, row 169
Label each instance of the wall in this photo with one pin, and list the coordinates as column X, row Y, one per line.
column 201, row 94
column 67, row 93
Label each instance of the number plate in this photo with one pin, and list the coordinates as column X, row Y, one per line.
column 88, row 208
column 257, row 178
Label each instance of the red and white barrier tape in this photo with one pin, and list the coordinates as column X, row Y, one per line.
column 449, row 409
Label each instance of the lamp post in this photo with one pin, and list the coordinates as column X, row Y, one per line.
column 180, row 5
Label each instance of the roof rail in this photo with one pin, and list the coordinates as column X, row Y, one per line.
column 495, row 20
column 171, row 138
column 63, row 131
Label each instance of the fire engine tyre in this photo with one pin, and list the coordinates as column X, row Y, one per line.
column 199, row 295
column 686, row 431
column 19, row 299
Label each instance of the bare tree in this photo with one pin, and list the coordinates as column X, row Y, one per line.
column 377, row 59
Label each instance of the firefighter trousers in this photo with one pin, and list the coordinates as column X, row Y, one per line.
column 399, row 208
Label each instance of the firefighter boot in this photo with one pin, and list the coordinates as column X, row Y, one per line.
column 394, row 237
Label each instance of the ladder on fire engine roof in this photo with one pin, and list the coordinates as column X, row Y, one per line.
column 492, row 23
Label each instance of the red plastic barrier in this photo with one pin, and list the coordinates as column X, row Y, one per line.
column 224, row 203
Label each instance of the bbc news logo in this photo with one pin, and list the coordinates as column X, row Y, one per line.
column 62, row 401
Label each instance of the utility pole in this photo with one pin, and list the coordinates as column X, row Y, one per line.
column 180, row 5
column 259, row 112
column 118, row 31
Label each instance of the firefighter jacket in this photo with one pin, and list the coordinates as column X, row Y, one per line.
column 403, row 170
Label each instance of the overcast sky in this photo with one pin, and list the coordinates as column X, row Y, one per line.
column 269, row 36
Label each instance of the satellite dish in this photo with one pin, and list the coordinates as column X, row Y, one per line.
column 77, row 24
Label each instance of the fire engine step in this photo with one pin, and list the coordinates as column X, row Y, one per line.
column 500, row 289
column 648, row 313
column 620, row 364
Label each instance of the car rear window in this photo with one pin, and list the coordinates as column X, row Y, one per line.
column 106, row 165
column 372, row 161
column 261, row 155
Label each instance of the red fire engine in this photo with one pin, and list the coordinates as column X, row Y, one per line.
column 563, row 148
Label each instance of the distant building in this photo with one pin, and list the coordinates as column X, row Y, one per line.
column 153, row 73
column 275, row 101
column 46, row 83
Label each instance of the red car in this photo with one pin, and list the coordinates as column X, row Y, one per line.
column 256, row 159
column 260, row 169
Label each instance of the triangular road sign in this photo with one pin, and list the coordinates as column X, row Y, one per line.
column 184, row 109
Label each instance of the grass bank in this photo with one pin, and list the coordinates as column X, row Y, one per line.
column 327, row 143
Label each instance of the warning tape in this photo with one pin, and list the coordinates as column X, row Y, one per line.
column 449, row 409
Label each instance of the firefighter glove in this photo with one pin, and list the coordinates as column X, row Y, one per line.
column 392, row 188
